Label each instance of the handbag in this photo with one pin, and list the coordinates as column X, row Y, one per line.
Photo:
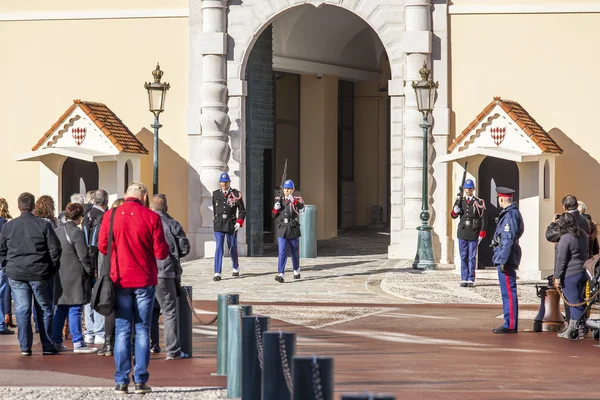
column 104, row 297
column 590, row 266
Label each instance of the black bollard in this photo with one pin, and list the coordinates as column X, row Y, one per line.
column 278, row 350
column 368, row 396
column 184, row 320
column 252, row 353
column 313, row 377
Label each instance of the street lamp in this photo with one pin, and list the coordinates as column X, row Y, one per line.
column 157, row 92
column 425, row 92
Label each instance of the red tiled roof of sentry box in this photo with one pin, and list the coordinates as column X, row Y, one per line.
column 107, row 121
column 522, row 118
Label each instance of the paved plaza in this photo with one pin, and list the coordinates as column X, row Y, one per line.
column 390, row 329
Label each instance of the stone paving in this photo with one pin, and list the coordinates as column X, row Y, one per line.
column 349, row 294
column 352, row 268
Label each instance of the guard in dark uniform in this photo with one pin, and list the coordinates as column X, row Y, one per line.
column 286, row 212
column 471, row 230
column 229, row 210
column 507, row 256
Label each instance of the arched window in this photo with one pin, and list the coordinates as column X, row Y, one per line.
column 127, row 175
column 546, row 180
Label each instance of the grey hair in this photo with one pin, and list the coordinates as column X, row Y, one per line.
column 77, row 198
column 101, row 197
column 159, row 202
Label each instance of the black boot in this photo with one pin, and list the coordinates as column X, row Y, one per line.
column 107, row 350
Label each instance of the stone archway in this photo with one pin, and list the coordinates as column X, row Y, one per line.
column 228, row 35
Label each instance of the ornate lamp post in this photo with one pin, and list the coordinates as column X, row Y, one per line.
column 157, row 92
column 425, row 91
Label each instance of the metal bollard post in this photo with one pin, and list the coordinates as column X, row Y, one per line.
column 252, row 356
column 308, row 240
column 313, row 378
column 184, row 320
column 223, row 301
column 234, row 348
column 278, row 350
column 368, row 396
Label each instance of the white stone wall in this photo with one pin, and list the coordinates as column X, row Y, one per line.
column 405, row 29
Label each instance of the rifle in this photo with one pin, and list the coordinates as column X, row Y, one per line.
column 464, row 177
column 283, row 177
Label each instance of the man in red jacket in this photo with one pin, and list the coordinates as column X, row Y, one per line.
column 138, row 241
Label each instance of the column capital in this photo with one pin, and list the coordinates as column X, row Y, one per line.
column 418, row 3
column 237, row 88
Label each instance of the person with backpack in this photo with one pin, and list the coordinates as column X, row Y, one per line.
column 94, row 322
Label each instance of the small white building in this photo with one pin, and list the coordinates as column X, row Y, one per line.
column 505, row 146
column 87, row 148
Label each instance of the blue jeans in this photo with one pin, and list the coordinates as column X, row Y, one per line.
column 4, row 307
column 60, row 314
column 133, row 305
column 94, row 322
column 468, row 254
column 283, row 244
column 41, row 291
column 233, row 251
column 574, row 291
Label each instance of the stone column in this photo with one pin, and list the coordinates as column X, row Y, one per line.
column 417, row 46
column 212, row 146
column 442, row 227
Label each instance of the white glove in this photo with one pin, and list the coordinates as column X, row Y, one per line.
column 278, row 206
column 237, row 226
column 456, row 210
column 291, row 198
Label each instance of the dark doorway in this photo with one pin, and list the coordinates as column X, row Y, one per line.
column 494, row 172
column 77, row 177
column 346, row 183
column 268, row 185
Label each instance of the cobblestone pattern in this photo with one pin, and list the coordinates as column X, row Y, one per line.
column 101, row 393
column 259, row 128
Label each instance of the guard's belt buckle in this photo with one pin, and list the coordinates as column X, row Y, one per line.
column 225, row 216
column 285, row 220
column 467, row 223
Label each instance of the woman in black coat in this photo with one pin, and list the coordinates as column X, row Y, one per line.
column 72, row 283
column 569, row 273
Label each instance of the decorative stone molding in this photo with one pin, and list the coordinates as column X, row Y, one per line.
column 214, row 122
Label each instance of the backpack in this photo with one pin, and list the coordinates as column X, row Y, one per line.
column 91, row 229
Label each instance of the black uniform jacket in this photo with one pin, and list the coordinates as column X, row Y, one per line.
column 228, row 209
column 473, row 218
column 287, row 219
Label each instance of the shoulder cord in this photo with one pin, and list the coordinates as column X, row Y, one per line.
column 294, row 209
column 480, row 207
column 232, row 199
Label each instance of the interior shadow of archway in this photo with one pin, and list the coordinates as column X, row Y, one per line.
column 575, row 171
column 172, row 175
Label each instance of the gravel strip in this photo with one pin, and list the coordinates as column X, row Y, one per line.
column 442, row 286
column 101, row 393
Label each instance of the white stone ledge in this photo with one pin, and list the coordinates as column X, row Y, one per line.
column 237, row 88
column 523, row 8
column 94, row 14
column 417, row 42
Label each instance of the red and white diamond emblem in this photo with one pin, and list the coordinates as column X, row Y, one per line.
column 78, row 135
column 498, row 135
